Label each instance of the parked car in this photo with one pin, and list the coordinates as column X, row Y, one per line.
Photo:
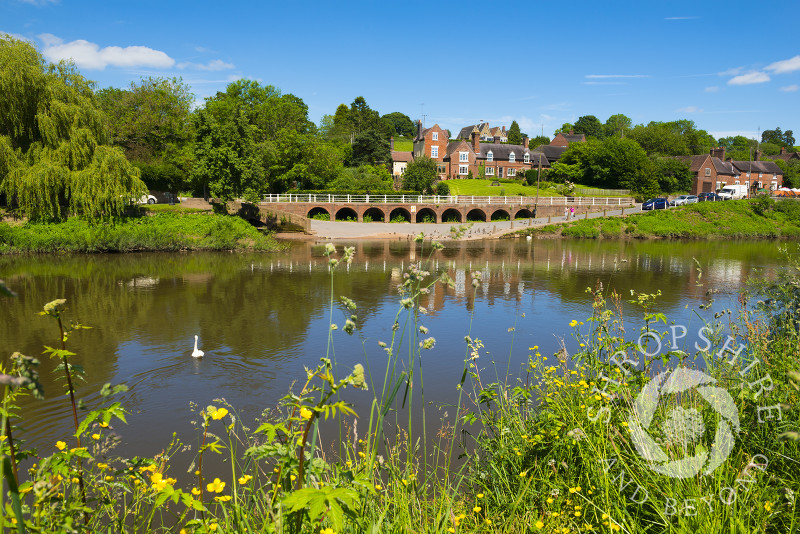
column 147, row 199
column 709, row 197
column 656, row 204
column 683, row 199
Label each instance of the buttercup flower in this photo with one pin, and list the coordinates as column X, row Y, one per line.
column 60, row 445
column 216, row 487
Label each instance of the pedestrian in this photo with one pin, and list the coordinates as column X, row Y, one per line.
column 572, row 212
column 566, row 213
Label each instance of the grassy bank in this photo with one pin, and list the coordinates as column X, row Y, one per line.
column 556, row 450
column 481, row 187
column 760, row 218
column 164, row 230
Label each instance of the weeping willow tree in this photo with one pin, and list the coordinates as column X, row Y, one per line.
column 55, row 159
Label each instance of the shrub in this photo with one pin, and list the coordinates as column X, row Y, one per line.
column 442, row 188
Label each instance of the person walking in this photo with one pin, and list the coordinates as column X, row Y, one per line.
column 572, row 212
column 566, row 213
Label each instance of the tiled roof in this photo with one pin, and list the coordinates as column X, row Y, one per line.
column 466, row 131
column 757, row 166
column 502, row 152
column 552, row 152
column 402, row 156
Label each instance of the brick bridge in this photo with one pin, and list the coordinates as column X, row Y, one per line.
column 435, row 208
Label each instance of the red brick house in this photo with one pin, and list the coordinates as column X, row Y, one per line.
column 432, row 142
column 712, row 172
column 565, row 139
column 488, row 160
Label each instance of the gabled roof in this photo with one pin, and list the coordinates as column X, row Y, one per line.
column 502, row 152
column 757, row 166
column 453, row 146
column 402, row 156
column 787, row 156
column 552, row 152
column 466, row 131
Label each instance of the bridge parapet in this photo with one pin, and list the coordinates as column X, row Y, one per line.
column 447, row 199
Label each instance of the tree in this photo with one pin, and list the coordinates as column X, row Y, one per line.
column 565, row 129
column 539, row 140
column 369, row 148
column 420, row 175
column 791, row 172
column 250, row 140
column 366, row 178
column 54, row 154
column 401, row 124
column 590, row 126
column 673, row 175
column 616, row 125
column 778, row 137
column 514, row 135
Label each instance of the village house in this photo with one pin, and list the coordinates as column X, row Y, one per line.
column 400, row 160
column 565, row 139
column 432, row 142
column 712, row 172
column 487, row 160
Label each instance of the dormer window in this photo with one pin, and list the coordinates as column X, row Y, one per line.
column 435, row 136
column 527, row 158
column 512, row 158
column 490, row 156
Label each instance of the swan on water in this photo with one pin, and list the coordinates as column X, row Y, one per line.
column 197, row 353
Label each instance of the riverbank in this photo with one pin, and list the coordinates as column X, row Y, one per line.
column 160, row 231
column 757, row 218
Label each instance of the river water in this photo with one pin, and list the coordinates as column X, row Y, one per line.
column 262, row 317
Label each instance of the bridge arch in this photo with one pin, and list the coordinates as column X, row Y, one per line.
column 317, row 211
column 500, row 215
column 476, row 215
column 375, row 214
column 345, row 214
column 451, row 215
column 426, row 213
column 400, row 212
column 524, row 213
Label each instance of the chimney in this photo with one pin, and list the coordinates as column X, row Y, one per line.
column 496, row 139
column 783, row 150
column 572, row 132
column 419, row 129
column 504, row 130
column 524, row 141
column 718, row 152
column 391, row 143
column 758, row 155
column 476, row 145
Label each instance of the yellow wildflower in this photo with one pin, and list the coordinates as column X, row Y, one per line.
column 222, row 498
column 60, row 445
column 539, row 524
column 305, row 413
column 216, row 487
column 245, row 479
column 95, row 436
column 477, row 509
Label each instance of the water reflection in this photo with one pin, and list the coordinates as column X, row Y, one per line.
column 262, row 318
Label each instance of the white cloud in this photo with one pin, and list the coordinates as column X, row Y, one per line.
column 617, row 76
column 711, row 89
column 749, row 78
column 787, row 65
column 603, row 83
column 732, row 72
column 214, row 65
column 689, row 109
column 790, row 88
column 89, row 55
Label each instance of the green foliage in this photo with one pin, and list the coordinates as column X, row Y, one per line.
column 420, row 174
column 402, row 125
column 539, row 140
column 54, row 159
column 442, row 188
column 369, row 148
column 364, row 179
column 162, row 231
column 673, row 175
column 778, row 137
column 161, row 176
column 676, row 138
column 617, row 125
column 321, row 216
column 589, row 125
column 514, row 135
column 791, row 172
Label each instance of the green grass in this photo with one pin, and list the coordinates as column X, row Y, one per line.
column 762, row 218
column 480, row 187
column 403, row 145
column 168, row 230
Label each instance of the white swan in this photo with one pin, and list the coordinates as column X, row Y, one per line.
column 197, row 353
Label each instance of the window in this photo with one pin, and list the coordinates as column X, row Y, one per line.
column 434, row 151
column 490, row 156
column 512, row 158
column 737, row 182
column 489, row 171
column 774, row 186
column 512, row 172
column 708, row 172
column 435, row 136
column 747, row 184
column 463, row 169
column 463, row 156
column 527, row 158
column 760, row 175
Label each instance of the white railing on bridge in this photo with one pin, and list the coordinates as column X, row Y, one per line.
column 448, row 199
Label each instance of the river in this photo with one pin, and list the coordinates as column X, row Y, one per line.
column 261, row 318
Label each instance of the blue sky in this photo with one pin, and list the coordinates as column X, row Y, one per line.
column 731, row 67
